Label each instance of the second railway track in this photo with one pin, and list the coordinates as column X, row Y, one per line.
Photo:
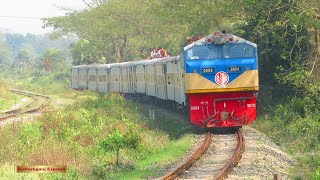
column 36, row 103
column 218, row 154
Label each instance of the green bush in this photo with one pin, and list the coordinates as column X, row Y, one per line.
column 295, row 126
column 316, row 175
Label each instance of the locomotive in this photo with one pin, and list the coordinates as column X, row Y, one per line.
column 216, row 78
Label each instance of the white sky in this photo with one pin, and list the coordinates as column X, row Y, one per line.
column 23, row 16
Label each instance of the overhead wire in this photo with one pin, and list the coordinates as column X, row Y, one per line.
column 21, row 17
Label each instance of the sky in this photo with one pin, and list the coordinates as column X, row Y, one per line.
column 23, row 16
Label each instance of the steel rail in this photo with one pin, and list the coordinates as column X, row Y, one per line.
column 200, row 151
column 235, row 158
column 15, row 112
column 32, row 95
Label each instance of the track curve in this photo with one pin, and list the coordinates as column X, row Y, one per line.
column 217, row 159
column 37, row 102
column 201, row 150
column 234, row 160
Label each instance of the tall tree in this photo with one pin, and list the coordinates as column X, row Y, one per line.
column 22, row 60
column 282, row 29
column 126, row 30
column 52, row 59
column 5, row 55
column 85, row 53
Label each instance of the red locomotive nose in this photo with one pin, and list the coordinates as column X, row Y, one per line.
column 222, row 109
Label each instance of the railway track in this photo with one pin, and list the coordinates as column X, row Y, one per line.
column 219, row 154
column 36, row 103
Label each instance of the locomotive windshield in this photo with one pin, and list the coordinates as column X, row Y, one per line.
column 226, row 51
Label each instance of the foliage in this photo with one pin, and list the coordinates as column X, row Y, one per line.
column 128, row 30
column 30, row 136
column 83, row 52
column 52, row 59
column 36, row 79
column 317, row 173
column 285, row 45
column 287, row 34
column 94, row 3
column 35, row 44
column 22, row 60
column 7, row 99
column 295, row 127
column 85, row 133
column 5, row 55
column 116, row 141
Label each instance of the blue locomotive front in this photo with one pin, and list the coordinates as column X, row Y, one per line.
column 221, row 80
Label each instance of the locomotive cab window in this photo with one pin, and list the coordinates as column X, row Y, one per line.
column 238, row 51
column 225, row 51
column 202, row 52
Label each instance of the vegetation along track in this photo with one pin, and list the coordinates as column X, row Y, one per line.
column 36, row 103
column 217, row 158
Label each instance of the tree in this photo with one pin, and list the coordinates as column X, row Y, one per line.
column 280, row 28
column 85, row 53
column 5, row 55
column 117, row 141
column 94, row 3
column 127, row 30
column 22, row 60
column 110, row 28
column 14, row 41
column 52, row 59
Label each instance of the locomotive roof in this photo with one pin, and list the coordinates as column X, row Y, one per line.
column 219, row 38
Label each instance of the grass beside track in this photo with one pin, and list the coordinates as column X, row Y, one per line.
column 7, row 99
column 74, row 134
column 298, row 134
column 84, row 119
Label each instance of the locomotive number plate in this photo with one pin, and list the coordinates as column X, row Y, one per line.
column 207, row 70
column 234, row 68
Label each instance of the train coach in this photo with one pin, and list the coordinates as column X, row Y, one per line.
column 216, row 78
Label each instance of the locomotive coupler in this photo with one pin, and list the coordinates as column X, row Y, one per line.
column 224, row 116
